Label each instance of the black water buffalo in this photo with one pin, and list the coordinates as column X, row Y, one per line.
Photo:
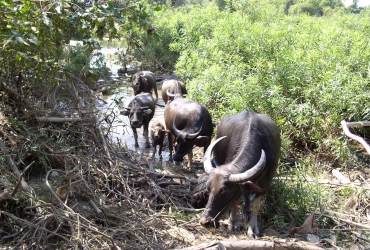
column 145, row 81
column 158, row 133
column 172, row 88
column 140, row 111
column 246, row 155
column 190, row 124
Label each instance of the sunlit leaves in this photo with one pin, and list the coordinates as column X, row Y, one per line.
column 307, row 73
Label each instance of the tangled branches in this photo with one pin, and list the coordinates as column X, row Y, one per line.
column 63, row 185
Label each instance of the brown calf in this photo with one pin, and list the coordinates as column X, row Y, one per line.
column 157, row 133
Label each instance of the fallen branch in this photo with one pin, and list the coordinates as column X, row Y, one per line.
column 106, row 151
column 254, row 245
column 347, row 125
column 15, row 190
column 63, row 119
column 15, row 169
column 349, row 222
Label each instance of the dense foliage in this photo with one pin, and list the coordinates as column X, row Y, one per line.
column 33, row 34
column 308, row 73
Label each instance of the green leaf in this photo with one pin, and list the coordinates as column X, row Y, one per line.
column 158, row 8
column 58, row 8
column 47, row 21
column 143, row 14
column 19, row 39
column 33, row 39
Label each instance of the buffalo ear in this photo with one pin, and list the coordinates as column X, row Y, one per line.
column 250, row 187
column 125, row 112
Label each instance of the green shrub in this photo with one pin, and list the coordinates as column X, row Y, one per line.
column 307, row 73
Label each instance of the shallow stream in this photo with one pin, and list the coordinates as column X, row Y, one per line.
column 115, row 101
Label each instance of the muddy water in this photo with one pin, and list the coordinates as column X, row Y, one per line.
column 120, row 126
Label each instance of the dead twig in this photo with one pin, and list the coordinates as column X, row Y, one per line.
column 15, row 190
column 15, row 169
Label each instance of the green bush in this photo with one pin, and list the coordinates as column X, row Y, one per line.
column 307, row 73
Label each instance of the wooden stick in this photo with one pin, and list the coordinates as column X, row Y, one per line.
column 15, row 169
column 254, row 244
column 346, row 125
column 106, row 151
column 63, row 119
column 348, row 222
column 15, row 190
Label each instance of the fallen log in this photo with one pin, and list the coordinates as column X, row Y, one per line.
column 253, row 245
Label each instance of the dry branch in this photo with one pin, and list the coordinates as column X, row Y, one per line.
column 349, row 222
column 63, row 119
column 253, row 245
column 346, row 125
column 15, row 169
column 15, row 190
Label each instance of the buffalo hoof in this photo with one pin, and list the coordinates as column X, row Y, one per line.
column 233, row 228
column 209, row 224
column 251, row 234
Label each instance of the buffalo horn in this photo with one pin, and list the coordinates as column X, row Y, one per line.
column 192, row 136
column 169, row 94
column 250, row 173
column 175, row 130
column 208, row 168
column 189, row 136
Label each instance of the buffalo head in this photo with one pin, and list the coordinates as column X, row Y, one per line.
column 185, row 141
column 140, row 82
column 136, row 113
column 225, row 188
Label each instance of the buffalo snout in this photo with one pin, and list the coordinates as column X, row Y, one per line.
column 203, row 221
column 135, row 123
column 178, row 158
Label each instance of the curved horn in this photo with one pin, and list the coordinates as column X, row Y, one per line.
column 250, row 173
column 192, row 136
column 175, row 130
column 208, row 168
column 169, row 94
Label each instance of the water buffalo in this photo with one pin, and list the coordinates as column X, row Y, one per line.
column 246, row 155
column 145, row 81
column 191, row 124
column 158, row 133
column 140, row 111
column 172, row 88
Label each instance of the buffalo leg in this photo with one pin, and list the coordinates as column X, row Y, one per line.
column 233, row 219
column 156, row 92
column 190, row 158
column 154, row 149
column 170, row 144
column 247, row 208
column 253, row 231
column 135, row 137
column 146, row 136
column 160, row 148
